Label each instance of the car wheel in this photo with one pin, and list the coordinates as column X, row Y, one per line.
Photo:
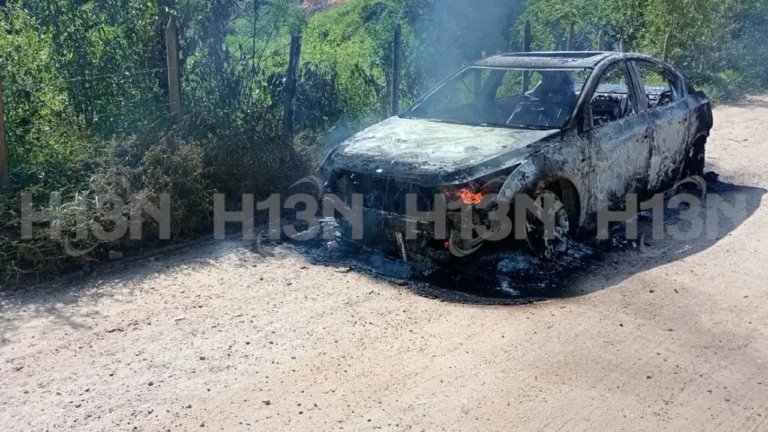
column 696, row 158
column 543, row 243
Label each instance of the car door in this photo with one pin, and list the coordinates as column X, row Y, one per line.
column 663, row 94
column 617, row 133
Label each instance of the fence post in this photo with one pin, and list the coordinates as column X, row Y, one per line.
column 623, row 44
column 174, row 82
column 4, row 179
column 571, row 44
column 290, row 88
column 526, row 48
column 396, row 49
column 601, row 41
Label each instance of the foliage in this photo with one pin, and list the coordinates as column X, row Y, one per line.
column 130, row 168
column 719, row 45
column 79, row 74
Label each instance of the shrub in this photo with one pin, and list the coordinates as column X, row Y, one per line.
column 128, row 168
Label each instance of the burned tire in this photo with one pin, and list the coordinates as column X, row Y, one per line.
column 695, row 159
column 543, row 242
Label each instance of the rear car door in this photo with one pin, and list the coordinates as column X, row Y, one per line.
column 618, row 135
column 663, row 95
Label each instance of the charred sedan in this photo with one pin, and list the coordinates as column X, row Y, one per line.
column 579, row 130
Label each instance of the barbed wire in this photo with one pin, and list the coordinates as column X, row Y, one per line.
column 128, row 74
column 39, row 88
column 104, row 114
column 124, row 73
column 95, row 116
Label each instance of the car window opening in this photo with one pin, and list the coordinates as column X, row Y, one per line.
column 516, row 98
column 661, row 85
column 612, row 100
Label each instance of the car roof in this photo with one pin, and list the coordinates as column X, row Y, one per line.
column 549, row 60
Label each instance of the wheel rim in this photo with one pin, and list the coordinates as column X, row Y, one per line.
column 541, row 241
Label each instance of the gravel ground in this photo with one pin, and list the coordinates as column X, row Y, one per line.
column 217, row 337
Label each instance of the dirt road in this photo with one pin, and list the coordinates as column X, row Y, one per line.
column 219, row 338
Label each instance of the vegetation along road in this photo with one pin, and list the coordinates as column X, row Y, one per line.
column 220, row 338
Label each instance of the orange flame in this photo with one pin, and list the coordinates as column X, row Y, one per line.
column 469, row 197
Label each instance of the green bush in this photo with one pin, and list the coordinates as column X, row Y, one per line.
column 721, row 46
column 129, row 168
column 87, row 116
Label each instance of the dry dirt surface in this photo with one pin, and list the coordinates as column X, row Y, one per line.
column 217, row 337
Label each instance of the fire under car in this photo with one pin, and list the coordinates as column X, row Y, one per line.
column 578, row 130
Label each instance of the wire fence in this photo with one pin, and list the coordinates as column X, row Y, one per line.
column 144, row 99
column 124, row 73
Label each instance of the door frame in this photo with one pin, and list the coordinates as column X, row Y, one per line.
column 588, row 132
column 634, row 68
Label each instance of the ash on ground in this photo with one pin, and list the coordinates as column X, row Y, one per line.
column 493, row 275
column 496, row 274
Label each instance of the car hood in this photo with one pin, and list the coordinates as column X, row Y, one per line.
column 431, row 151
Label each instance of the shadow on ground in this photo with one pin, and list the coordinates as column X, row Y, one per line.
column 496, row 276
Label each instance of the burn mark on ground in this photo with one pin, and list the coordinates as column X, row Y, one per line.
column 492, row 276
column 498, row 275
column 495, row 275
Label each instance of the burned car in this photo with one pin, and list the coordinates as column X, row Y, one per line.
column 582, row 130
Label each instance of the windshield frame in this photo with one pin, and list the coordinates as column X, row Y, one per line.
column 406, row 114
